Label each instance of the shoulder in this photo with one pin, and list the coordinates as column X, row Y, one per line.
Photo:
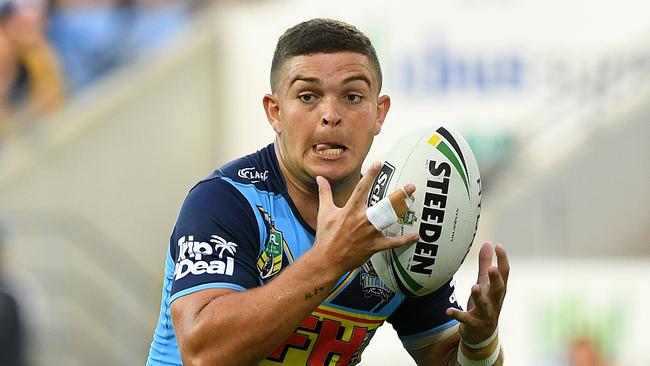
column 233, row 191
column 258, row 170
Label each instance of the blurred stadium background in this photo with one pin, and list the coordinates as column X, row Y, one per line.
column 553, row 96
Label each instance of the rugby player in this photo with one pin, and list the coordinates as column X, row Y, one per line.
column 268, row 263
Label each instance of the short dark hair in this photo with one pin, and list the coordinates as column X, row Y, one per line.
column 321, row 36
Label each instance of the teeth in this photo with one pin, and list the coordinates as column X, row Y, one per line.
column 327, row 149
column 331, row 151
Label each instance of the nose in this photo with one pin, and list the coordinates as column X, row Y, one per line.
column 330, row 114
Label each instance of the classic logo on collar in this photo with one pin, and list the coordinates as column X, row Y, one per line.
column 252, row 174
column 270, row 261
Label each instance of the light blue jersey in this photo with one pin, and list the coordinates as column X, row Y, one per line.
column 238, row 229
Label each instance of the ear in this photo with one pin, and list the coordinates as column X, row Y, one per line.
column 383, row 105
column 272, row 109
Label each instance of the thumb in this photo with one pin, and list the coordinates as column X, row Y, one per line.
column 324, row 193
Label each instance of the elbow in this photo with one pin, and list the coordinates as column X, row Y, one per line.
column 203, row 359
column 211, row 359
column 195, row 350
column 204, row 339
column 194, row 360
column 196, row 356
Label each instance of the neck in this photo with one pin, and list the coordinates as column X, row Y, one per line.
column 304, row 192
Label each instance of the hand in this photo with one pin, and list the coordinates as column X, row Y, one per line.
column 345, row 233
column 480, row 320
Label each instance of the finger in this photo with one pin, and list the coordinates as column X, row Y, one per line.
column 325, row 200
column 401, row 199
column 481, row 301
column 470, row 304
column 497, row 285
column 502, row 261
column 398, row 241
column 462, row 316
column 497, row 288
column 362, row 189
column 484, row 263
column 409, row 189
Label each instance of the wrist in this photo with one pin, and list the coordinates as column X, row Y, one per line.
column 482, row 344
column 485, row 353
column 322, row 269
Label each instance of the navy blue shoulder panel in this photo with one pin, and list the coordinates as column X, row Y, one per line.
column 215, row 242
column 259, row 168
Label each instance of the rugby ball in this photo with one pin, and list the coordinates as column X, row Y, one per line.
column 445, row 213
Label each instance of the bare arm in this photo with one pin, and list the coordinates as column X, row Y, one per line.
column 240, row 328
column 480, row 320
column 226, row 327
column 445, row 353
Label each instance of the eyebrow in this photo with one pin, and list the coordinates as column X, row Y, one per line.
column 359, row 77
column 305, row 79
column 317, row 81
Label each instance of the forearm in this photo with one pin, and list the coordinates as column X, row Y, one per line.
column 451, row 358
column 445, row 353
column 242, row 328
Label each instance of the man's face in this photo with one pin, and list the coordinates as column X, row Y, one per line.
column 326, row 113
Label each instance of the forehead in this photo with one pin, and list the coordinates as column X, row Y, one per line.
column 328, row 67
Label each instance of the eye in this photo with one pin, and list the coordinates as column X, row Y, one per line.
column 353, row 98
column 307, row 97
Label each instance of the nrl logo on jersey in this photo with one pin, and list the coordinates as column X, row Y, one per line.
column 372, row 285
column 193, row 257
column 270, row 261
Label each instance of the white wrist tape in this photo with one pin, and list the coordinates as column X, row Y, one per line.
column 484, row 343
column 381, row 215
column 489, row 361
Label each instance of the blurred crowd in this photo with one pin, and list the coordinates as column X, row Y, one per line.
column 52, row 50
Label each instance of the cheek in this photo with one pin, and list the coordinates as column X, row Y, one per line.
column 295, row 136
column 299, row 125
column 364, row 118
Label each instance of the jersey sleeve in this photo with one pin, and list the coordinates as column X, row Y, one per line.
column 215, row 243
column 421, row 321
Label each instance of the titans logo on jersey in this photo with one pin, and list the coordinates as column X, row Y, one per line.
column 372, row 285
column 238, row 228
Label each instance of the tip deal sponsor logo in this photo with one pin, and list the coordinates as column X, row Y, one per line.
column 199, row 257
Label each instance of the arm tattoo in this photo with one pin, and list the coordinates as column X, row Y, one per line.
column 309, row 295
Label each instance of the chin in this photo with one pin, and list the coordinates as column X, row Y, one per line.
column 336, row 175
column 338, row 170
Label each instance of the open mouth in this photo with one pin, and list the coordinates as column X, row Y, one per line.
column 329, row 149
